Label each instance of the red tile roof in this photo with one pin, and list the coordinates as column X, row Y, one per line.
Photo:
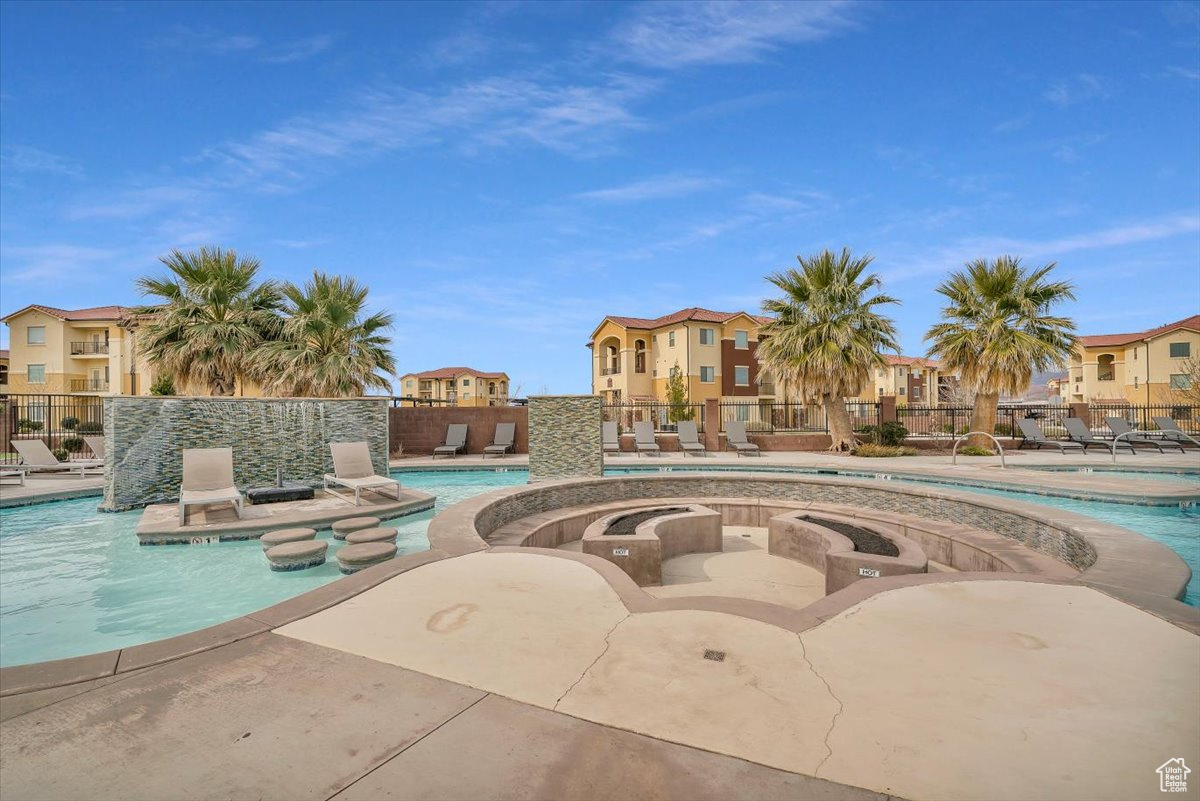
column 693, row 313
column 3, row 354
column 454, row 372
column 1103, row 340
column 919, row 361
column 92, row 313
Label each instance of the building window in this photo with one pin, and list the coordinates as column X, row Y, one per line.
column 1179, row 350
column 671, row 339
column 3, row 373
column 1181, row 380
column 879, row 373
column 901, row 390
column 916, row 393
column 901, row 371
column 1135, row 350
column 741, row 340
column 409, row 383
column 706, row 336
column 466, row 382
column 36, row 335
column 36, row 373
column 741, row 376
column 708, row 375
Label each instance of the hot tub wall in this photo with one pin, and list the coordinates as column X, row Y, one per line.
column 145, row 437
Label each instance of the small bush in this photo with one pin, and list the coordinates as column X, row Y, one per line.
column 73, row 444
column 873, row 450
column 1002, row 430
column 163, row 385
column 90, row 428
column 60, row 454
column 976, row 450
column 27, row 426
column 69, row 423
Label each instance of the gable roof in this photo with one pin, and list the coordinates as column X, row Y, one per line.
column 906, row 361
column 454, row 372
column 92, row 313
column 692, row 313
column 1104, row 340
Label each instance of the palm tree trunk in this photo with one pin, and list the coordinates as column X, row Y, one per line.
column 983, row 418
column 840, row 429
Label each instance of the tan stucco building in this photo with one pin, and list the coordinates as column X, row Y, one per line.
column 1146, row 367
column 456, row 386
column 913, row 380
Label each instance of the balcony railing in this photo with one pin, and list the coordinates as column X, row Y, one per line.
column 610, row 371
column 1104, row 377
column 88, row 348
column 88, row 385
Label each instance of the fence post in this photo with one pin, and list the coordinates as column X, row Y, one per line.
column 887, row 409
column 1081, row 411
column 712, row 424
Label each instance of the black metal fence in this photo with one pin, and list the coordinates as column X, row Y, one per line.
column 664, row 416
column 949, row 420
column 1141, row 416
column 793, row 418
column 61, row 421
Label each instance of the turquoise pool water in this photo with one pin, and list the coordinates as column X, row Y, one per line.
column 1185, row 479
column 74, row 581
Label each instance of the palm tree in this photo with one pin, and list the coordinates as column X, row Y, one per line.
column 212, row 315
column 827, row 335
column 326, row 349
column 997, row 330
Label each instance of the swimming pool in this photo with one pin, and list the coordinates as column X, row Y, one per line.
column 74, row 581
column 1187, row 479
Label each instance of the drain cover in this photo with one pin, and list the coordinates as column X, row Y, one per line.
column 715, row 656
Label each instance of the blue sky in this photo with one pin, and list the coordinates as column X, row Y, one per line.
column 503, row 175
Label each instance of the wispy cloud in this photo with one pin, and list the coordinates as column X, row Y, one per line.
column 25, row 159
column 298, row 50
column 137, row 202
column 300, row 244
column 51, row 262
column 657, row 188
column 188, row 40
column 1183, row 72
column 1076, row 90
column 670, row 35
column 1013, row 123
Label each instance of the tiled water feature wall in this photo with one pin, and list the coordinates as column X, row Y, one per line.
column 144, row 439
column 565, row 440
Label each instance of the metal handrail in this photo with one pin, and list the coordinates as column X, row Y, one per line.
column 954, row 451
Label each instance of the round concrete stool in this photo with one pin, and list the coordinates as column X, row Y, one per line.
column 343, row 527
column 297, row 555
column 353, row 558
column 273, row 538
column 383, row 534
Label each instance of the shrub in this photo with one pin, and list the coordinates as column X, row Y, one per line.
column 163, row 385
column 27, row 426
column 69, row 423
column 73, row 444
column 975, row 450
column 90, row 428
column 1002, row 430
column 60, row 454
column 892, row 433
column 873, row 450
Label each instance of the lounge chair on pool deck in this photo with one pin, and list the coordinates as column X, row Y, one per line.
column 502, row 440
column 352, row 468
column 208, row 478
column 608, row 433
column 37, row 458
column 1033, row 435
column 96, row 446
column 735, row 437
column 1119, row 426
column 643, row 437
column 1173, row 433
column 689, row 438
column 1080, row 433
column 14, row 472
column 456, row 440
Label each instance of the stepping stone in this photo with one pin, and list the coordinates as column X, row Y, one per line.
column 273, row 538
column 343, row 527
column 384, row 534
column 353, row 558
column 298, row 555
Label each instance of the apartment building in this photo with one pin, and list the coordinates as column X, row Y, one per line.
column 3, row 371
column 456, row 386
column 1143, row 367
column 632, row 357
column 915, row 380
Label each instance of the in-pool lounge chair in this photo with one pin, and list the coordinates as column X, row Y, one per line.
column 1034, row 437
column 456, row 440
column 37, row 458
column 608, row 433
column 352, row 469
column 208, row 478
column 689, row 438
column 643, row 437
column 1120, row 426
column 735, row 437
column 96, row 446
column 1079, row 432
column 502, row 440
column 1172, row 432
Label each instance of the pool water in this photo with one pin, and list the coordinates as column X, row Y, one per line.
column 1186, row 479
column 75, row 581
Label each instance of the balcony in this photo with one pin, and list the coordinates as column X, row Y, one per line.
column 88, row 385
column 89, row 348
column 610, row 371
column 1104, row 377
column 766, row 388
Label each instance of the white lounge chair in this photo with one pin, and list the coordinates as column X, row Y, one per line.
column 96, row 446
column 610, row 437
column 735, row 437
column 502, row 440
column 689, row 438
column 456, row 440
column 643, row 437
column 352, row 469
column 13, row 472
column 208, row 478
column 36, row 457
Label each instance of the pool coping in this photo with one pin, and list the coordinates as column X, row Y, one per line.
column 455, row 535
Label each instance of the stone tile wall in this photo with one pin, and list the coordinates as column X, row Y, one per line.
column 565, row 437
column 145, row 437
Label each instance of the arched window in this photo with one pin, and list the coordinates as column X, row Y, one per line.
column 639, row 356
